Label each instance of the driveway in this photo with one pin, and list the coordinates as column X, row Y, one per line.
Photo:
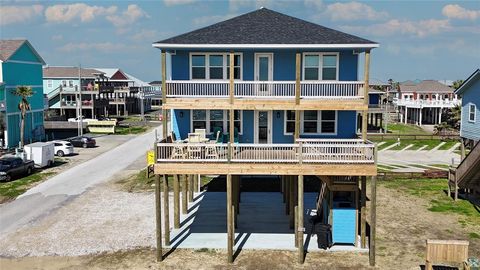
column 43, row 199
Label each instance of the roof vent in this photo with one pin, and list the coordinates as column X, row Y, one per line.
column 262, row 7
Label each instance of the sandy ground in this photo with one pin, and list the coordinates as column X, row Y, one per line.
column 125, row 226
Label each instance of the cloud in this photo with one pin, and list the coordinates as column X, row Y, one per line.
column 169, row 3
column 353, row 11
column 127, row 17
column 77, row 11
column 207, row 20
column 458, row 12
column 57, row 37
column 19, row 14
column 105, row 47
column 144, row 34
column 413, row 28
column 317, row 4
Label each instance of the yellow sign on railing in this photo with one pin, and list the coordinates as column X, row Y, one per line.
column 150, row 157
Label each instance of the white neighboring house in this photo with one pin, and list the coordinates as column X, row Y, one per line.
column 423, row 103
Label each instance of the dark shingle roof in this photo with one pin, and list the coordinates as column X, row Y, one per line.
column 264, row 26
column 428, row 86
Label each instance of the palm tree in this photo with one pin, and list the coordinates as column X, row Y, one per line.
column 24, row 92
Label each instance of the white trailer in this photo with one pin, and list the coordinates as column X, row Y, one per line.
column 42, row 154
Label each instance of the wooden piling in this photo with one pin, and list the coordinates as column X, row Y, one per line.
column 184, row 194
column 301, row 229
column 295, row 230
column 291, row 203
column 176, row 201
column 363, row 212
column 230, row 229
column 166, row 210
column 190, row 187
column 287, row 195
column 158, row 220
column 373, row 219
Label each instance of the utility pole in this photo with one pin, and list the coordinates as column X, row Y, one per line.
column 79, row 102
column 142, row 100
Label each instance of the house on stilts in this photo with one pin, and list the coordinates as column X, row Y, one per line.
column 269, row 94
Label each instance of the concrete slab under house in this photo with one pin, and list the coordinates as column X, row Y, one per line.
column 266, row 94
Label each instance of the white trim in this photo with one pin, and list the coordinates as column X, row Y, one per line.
column 285, row 122
column 270, row 46
column 320, row 65
column 30, row 111
column 470, row 112
column 269, row 128
column 256, row 63
column 319, row 124
column 24, row 62
column 224, row 120
column 207, row 65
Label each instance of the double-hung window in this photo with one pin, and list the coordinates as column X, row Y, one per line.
column 49, row 83
column 471, row 112
column 320, row 66
column 214, row 66
column 319, row 122
column 289, row 122
column 212, row 119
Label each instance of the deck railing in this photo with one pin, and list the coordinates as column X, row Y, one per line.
column 304, row 151
column 427, row 102
column 269, row 89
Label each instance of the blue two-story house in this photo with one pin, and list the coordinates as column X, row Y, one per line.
column 265, row 93
column 20, row 65
column 470, row 119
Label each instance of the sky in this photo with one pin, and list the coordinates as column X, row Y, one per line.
column 418, row 39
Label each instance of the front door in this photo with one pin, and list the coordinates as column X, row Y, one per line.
column 264, row 73
column 263, row 127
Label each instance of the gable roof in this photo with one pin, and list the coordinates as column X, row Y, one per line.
column 68, row 72
column 265, row 28
column 110, row 72
column 469, row 81
column 8, row 47
column 428, row 86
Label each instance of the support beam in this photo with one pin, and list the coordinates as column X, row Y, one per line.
column 366, row 78
column 230, row 228
column 287, row 194
column 297, row 125
column 190, row 187
column 158, row 220
column 166, row 210
column 373, row 219
column 291, row 203
column 297, row 78
column 164, row 79
column 301, row 229
column 184, row 194
column 232, row 86
column 363, row 213
column 176, row 201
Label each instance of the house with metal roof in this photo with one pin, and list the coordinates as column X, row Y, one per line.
column 265, row 93
column 20, row 65
column 469, row 92
column 424, row 102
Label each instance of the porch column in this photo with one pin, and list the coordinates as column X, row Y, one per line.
column 439, row 115
column 232, row 86
column 158, row 219
column 287, row 194
column 365, row 94
column 291, row 203
column 406, row 114
column 184, row 194
column 230, row 228
column 420, row 114
column 363, row 213
column 166, row 212
column 164, row 95
column 373, row 219
column 297, row 96
column 176, row 201
column 190, row 187
column 300, row 228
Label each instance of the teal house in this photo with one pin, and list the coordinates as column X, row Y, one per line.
column 20, row 65
column 470, row 93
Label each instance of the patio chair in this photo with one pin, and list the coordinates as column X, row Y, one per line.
column 178, row 151
column 202, row 132
column 217, row 135
column 194, row 151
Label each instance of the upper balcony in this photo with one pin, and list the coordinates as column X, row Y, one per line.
column 272, row 95
column 422, row 103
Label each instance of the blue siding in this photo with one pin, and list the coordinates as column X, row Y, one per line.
column 344, row 226
column 248, row 132
column 373, row 99
column 283, row 64
column 182, row 122
column 471, row 130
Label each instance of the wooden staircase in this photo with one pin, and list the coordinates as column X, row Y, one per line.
column 467, row 174
column 321, row 196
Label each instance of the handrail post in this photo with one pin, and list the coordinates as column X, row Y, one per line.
column 297, row 78
column 300, row 155
column 229, row 152
column 232, row 86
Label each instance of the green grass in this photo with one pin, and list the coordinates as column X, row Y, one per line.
column 433, row 191
column 11, row 190
column 130, row 130
column 398, row 128
column 448, row 144
column 386, row 144
column 474, row 235
column 417, row 144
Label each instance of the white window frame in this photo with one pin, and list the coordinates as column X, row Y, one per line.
column 207, row 65
column 49, row 83
column 285, row 123
column 319, row 124
column 320, row 64
column 225, row 121
column 470, row 106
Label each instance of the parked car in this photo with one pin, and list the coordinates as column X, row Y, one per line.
column 13, row 166
column 77, row 119
column 63, row 148
column 82, row 141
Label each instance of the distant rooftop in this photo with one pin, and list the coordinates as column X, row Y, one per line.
column 68, row 72
column 265, row 27
column 430, row 86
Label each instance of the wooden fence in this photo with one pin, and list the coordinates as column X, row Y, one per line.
column 451, row 251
